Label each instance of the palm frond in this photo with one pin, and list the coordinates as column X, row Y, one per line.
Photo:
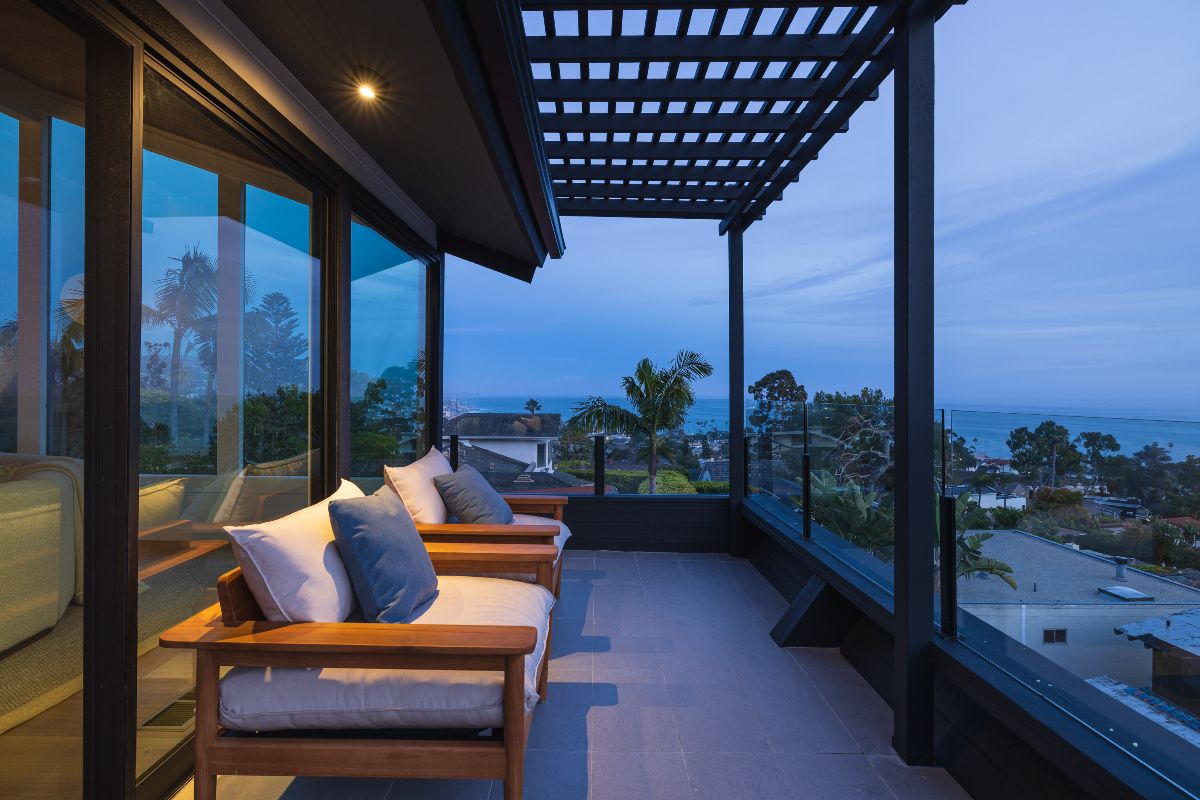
column 596, row 414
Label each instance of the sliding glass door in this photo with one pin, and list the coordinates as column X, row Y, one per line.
column 230, row 291
column 41, row 399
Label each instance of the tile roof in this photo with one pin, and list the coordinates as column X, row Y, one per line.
column 505, row 426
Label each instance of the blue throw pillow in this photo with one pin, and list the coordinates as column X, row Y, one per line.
column 471, row 499
column 384, row 555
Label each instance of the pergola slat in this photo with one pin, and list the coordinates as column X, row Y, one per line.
column 671, row 151
column 626, row 89
column 668, row 123
column 650, row 172
column 647, row 190
column 818, row 47
column 675, row 5
column 839, row 85
column 725, row 94
column 668, row 209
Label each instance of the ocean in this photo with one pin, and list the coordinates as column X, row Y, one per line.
column 984, row 429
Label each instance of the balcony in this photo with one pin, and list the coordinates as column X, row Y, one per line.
column 665, row 683
column 316, row 244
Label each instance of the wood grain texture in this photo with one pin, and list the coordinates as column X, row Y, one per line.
column 205, row 631
column 362, row 758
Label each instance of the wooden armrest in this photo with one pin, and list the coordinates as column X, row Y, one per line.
column 498, row 532
column 497, row 554
column 176, row 527
column 205, row 631
column 552, row 500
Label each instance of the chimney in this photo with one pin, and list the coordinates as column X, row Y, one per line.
column 1120, row 561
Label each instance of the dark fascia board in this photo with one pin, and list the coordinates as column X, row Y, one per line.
column 483, row 47
column 487, row 257
column 1081, row 753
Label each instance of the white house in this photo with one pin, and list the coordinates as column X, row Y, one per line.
column 527, row 438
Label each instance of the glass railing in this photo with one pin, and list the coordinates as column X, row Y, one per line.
column 543, row 445
column 1079, row 558
column 830, row 467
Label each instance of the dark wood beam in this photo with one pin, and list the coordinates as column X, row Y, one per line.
column 668, row 123
column 646, row 172
column 912, row 694
column 737, row 394
column 679, row 151
column 595, row 5
column 667, row 209
column 788, row 47
column 839, row 84
column 647, row 190
column 667, row 89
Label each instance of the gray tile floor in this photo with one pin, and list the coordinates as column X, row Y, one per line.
column 666, row 686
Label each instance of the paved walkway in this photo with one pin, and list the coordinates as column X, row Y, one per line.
column 666, row 686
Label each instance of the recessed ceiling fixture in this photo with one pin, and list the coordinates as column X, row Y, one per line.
column 368, row 84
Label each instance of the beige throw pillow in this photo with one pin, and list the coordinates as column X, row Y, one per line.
column 414, row 484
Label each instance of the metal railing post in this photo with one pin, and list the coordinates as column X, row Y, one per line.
column 598, row 464
column 948, row 556
column 746, row 464
column 454, row 451
column 806, row 467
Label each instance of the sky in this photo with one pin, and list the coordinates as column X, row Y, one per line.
column 1067, row 253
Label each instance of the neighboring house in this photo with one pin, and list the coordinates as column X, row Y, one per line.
column 528, row 438
column 1174, row 641
column 1116, row 506
column 509, row 475
column 1068, row 603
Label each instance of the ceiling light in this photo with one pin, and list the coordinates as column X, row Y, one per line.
column 366, row 91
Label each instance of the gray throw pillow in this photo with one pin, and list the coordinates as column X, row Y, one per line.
column 471, row 499
column 388, row 564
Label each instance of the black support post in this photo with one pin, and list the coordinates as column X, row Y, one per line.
column 113, row 276
column 913, row 695
column 737, row 389
column 598, row 464
column 454, row 451
column 335, row 209
column 435, row 305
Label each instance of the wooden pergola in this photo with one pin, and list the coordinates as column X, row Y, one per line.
column 701, row 109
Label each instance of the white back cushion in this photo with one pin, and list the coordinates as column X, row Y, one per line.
column 292, row 564
column 414, row 484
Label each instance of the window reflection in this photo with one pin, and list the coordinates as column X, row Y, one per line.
column 228, row 372
column 41, row 405
column 387, row 356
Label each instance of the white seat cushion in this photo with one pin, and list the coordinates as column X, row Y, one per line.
column 274, row 699
column 414, row 484
column 564, row 532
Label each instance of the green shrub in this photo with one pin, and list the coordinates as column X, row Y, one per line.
column 669, row 482
column 711, row 487
column 1047, row 497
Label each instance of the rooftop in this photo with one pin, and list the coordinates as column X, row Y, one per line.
column 644, row 704
column 505, row 426
column 1047, row 572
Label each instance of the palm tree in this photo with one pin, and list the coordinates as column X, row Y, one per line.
column 970, row 562
column 185, row 300
column 660, row 398
column 532, row 406
column 980, row 479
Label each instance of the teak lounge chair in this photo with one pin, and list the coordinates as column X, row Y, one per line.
column 525, row 528
column 235, row 634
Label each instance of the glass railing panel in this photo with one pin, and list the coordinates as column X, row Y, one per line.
column 520, row 445
column 1082, row 559
column 853, row 481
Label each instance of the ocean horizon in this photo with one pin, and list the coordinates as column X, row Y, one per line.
column 985, row 428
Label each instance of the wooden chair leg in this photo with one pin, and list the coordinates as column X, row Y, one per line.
column 514, row 727
column 206, row 723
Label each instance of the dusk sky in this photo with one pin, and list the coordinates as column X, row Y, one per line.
column 1068, row 249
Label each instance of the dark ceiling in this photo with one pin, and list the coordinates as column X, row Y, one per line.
column 423, row 130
